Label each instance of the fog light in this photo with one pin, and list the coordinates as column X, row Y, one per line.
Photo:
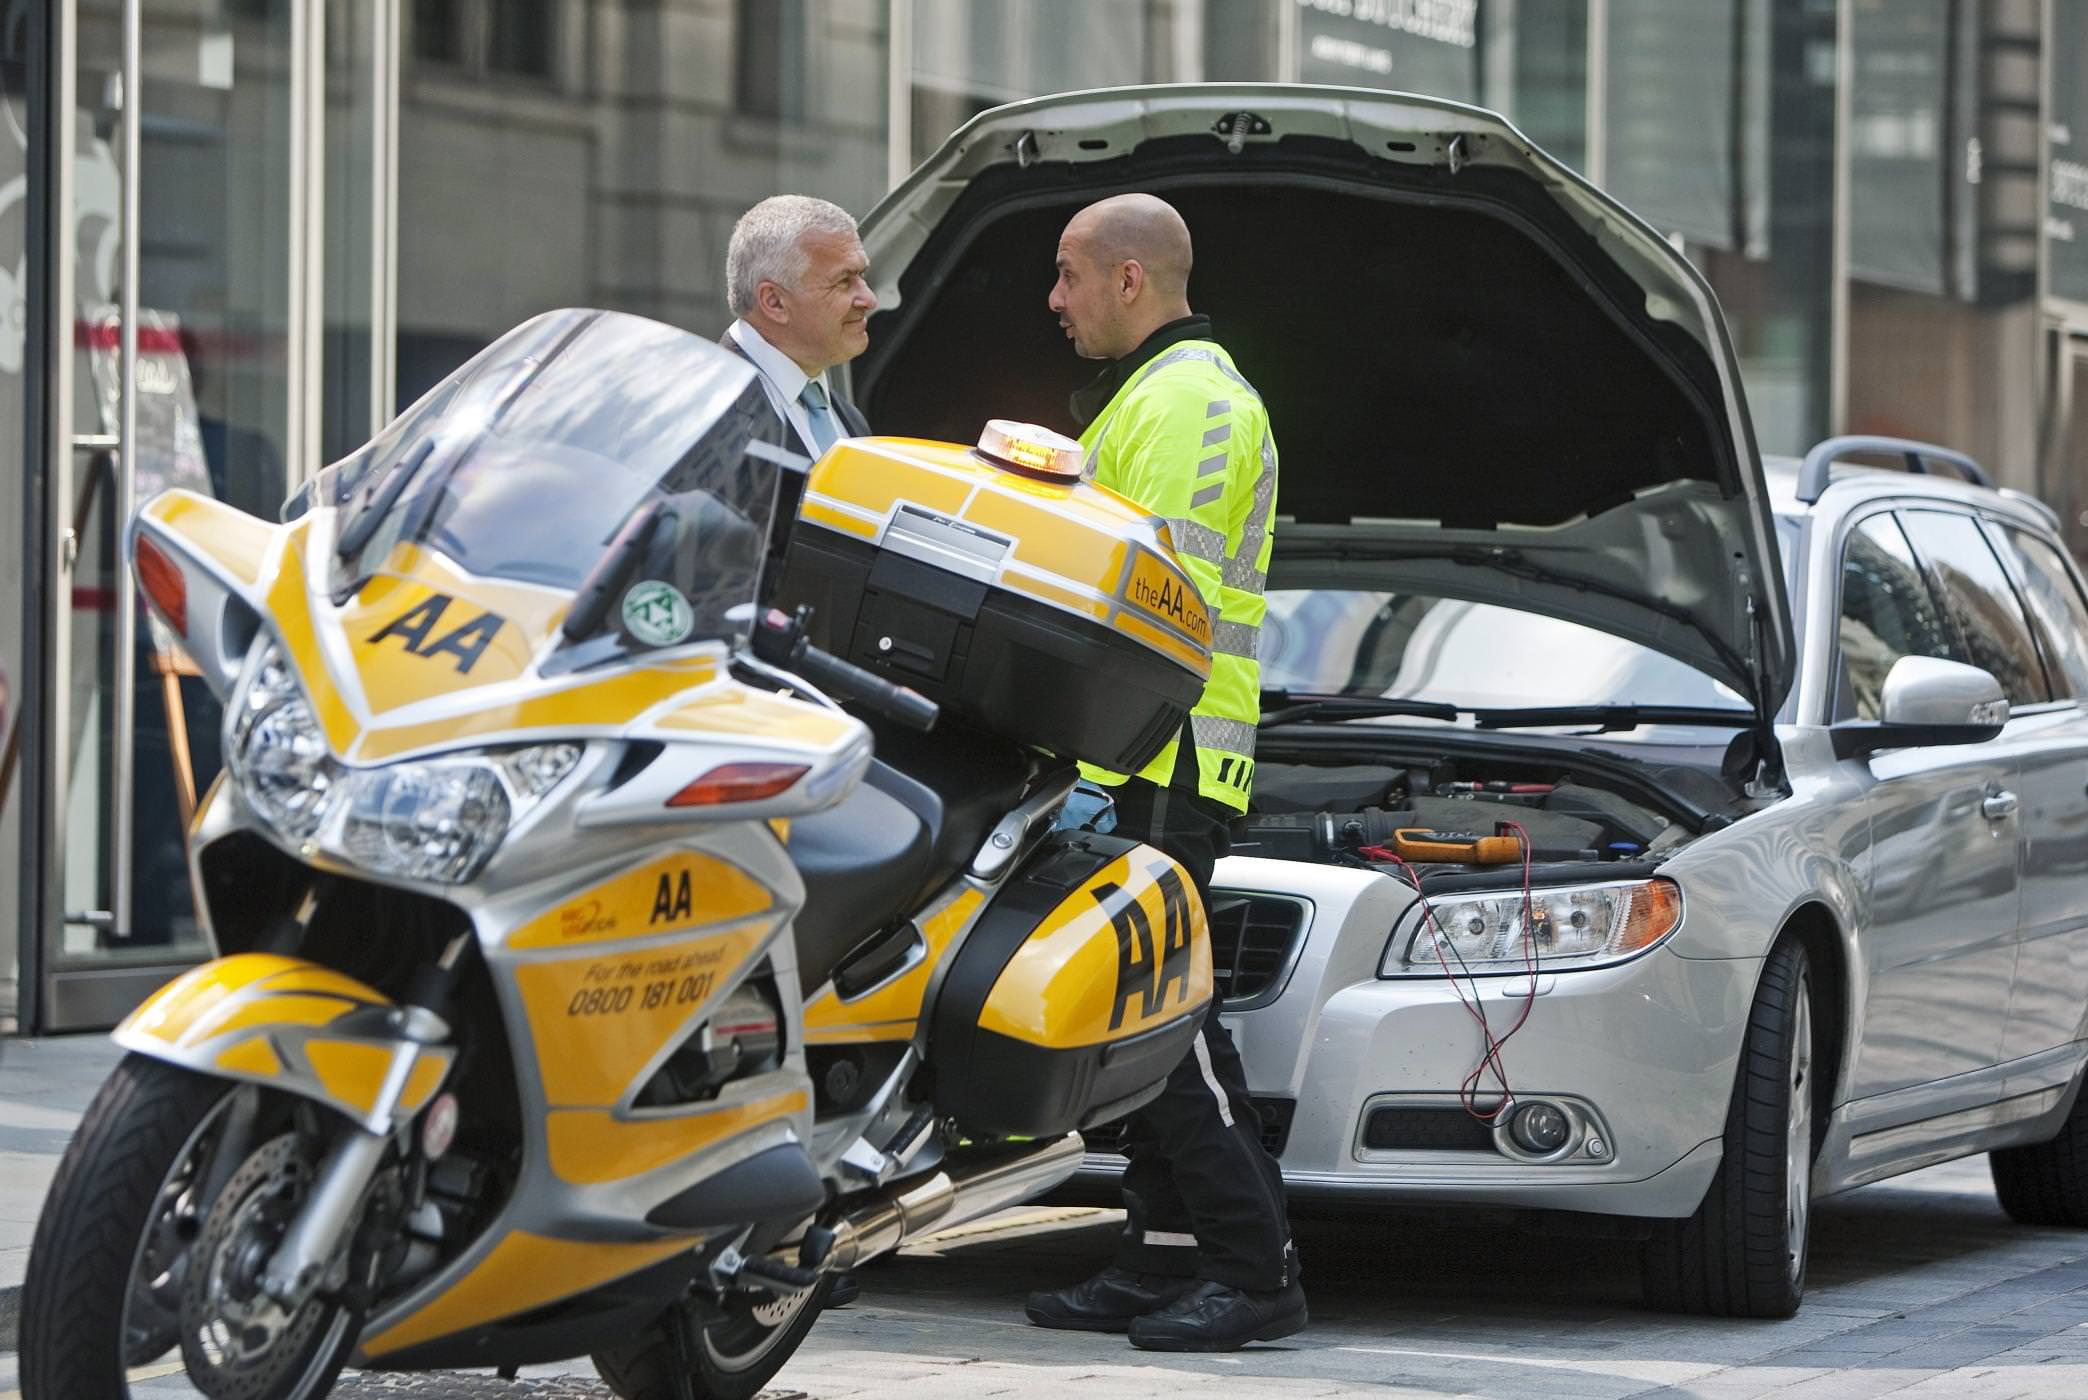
column 1540, row 1128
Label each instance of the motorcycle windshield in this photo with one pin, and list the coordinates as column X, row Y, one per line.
column 527, row 463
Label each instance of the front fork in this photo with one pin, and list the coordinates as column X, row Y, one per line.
column 299, row 1264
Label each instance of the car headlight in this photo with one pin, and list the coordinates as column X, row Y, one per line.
column 1574, row 927
column 437, row 820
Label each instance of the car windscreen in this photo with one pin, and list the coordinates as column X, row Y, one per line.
column 1335, row 641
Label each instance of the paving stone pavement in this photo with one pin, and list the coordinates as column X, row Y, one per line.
column 44, row 1084
column 1921, row 1289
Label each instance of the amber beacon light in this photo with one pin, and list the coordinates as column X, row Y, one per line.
column 1030, row 449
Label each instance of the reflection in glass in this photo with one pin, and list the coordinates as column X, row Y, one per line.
column 1902, row 188
column 213, row 400
column 1887, row 612
column 1979, row 599
column 352, row 133
column 969, row 55
column 16, row 220
column 2056, row 607
column 1411, row 646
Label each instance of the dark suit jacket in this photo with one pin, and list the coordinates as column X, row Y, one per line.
column 791, row 486
column 853, row 424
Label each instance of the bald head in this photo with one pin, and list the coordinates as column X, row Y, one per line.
column 1123, row 272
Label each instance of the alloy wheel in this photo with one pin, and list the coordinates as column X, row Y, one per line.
column 1798, row 1134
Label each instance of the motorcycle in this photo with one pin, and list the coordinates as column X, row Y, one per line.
column 628, row 917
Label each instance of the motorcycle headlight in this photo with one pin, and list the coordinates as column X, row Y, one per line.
column 438, row 820
column 279, row 752
column 1574, row 927
column 426, row 821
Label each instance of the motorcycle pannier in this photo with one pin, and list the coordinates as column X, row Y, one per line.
column 1051, row 612
column 1076, row 995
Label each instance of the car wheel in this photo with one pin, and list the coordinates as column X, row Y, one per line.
column 1742, row 1254
column 2046, row 1183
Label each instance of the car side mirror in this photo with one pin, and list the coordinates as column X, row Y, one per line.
column 1928, row 702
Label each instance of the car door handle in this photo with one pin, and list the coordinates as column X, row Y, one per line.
column 1998, row 804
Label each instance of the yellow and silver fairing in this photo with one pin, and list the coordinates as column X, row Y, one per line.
column 611, row 922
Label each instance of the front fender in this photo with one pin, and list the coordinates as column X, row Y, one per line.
column 292, row 1025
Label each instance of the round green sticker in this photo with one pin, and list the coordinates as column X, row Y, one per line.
column 657, row 614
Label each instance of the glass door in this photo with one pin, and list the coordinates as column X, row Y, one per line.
column 212, row 407
column 22, row 38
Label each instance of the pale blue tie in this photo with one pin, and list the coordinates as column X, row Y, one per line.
column 820, row 415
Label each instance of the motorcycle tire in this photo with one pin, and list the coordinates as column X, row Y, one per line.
column 146, row 1126
column 729, row 1360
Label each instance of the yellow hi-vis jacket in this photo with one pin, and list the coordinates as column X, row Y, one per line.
column 1187, row 438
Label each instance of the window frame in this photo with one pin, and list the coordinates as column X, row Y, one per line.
column 473, row 22
column 794, row 85
column 1996, row 527
column 1936, row 589
column 1851, row 525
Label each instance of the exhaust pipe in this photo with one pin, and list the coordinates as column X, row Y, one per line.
column 973, row 1189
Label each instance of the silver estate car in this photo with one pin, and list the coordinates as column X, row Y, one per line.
column 1754, row 967
column 1746, row 804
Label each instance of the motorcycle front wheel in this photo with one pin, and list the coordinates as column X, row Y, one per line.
column 130, row 1262
column 730, row 1358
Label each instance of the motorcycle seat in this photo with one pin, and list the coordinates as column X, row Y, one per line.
column 861, row 861
column 917, row 818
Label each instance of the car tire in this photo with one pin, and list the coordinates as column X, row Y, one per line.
column 1743, row 1253
column 2046, row 1183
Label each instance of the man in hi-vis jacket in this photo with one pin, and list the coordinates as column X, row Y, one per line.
column 1205, row 1262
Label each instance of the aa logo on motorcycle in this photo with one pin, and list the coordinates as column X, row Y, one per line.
column 672, row 900
column 467, row 642
column 1145, row 970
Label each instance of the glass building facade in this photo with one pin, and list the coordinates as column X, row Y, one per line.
column 319, row 207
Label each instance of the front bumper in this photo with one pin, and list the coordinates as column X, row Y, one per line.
column 1642, row 1055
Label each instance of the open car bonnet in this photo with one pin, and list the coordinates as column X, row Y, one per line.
column 1486, row 379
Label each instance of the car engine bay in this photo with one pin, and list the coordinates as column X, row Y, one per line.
column 1438, row 813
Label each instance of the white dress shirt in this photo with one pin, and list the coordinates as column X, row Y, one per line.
column 784, row 382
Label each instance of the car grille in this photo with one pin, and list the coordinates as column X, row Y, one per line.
column 1426, row 1130
column 1252, row 939
column 1275, row 1115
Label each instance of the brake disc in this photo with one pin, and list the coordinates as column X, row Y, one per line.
column 239, row 1343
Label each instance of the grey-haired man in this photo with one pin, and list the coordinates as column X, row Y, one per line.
column 794, row 278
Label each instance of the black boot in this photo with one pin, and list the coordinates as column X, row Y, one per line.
column 1217, row 1317
column 1107, row 1302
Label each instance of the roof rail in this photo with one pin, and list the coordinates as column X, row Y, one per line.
column 1812, row 476
column 2038, row 504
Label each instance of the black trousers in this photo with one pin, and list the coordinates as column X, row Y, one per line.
column 1202, row 1197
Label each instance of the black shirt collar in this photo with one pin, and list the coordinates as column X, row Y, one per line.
column 1092, row 398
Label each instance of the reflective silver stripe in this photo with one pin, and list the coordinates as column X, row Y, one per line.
column 1248, row 556
column 1236, row 639
column 1212, row 464
column 1203, row 1062
column 1234, row 375
column 1222, row 735
column 1197, row 541
column 1192, row 352
column 1214, row 436
column 1216, row 407
column 1168, row 1239
column 1207, row 496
